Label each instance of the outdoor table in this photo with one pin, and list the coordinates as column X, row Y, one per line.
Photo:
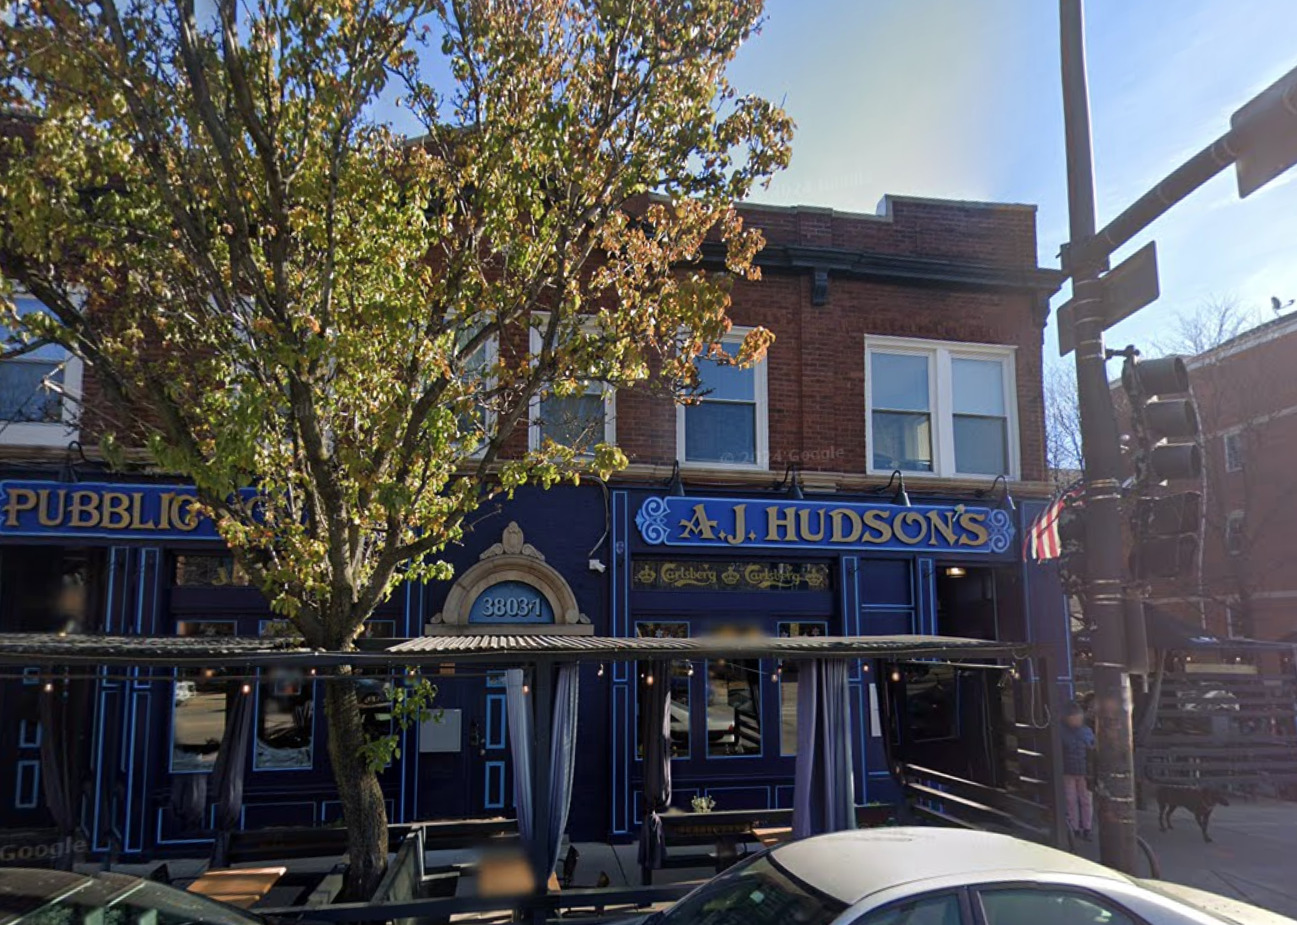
column 769, row 837
column 241, row 886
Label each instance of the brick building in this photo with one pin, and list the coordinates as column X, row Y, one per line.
column 904, row 381
column 1246, row 398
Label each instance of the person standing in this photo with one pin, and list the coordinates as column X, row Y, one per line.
column 1078, row 739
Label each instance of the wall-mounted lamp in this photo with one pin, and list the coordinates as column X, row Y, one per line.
column 792, row 480
column 901, row 497
column 676, row 485
column 1006, row 499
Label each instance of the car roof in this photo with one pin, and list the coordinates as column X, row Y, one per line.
column 851, row 865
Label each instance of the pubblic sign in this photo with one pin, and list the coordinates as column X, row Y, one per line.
column 740, row 523
column 106, row 511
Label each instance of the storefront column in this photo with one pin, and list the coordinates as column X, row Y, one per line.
column 621, row 702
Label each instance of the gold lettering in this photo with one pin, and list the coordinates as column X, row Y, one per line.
column 43, row 515
column 20, row 499
column 84, row 511
column 184, row 514
column 836, row 518
column 164, row 520
column 740, row 532
column 804, row 521
column 972, row 522
column 785, row 519
column 945, row 525
column 909, row 517
column 699, row 525
column 137, row 513
column 877, row 520
column 116, row 510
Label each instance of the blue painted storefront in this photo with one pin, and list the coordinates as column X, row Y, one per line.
column 858, row 587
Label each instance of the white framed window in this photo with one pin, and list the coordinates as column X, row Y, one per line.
column 1233, row 446
column 579, row 420
column 941, row 408
column 1234, row 538
column 39, row 391
column 476, row 427
column 728, row 426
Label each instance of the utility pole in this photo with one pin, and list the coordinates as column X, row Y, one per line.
column 1102, row 446
column 1261, row 144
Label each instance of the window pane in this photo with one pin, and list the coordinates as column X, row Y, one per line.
column 981, row 445
column 575, row 420
column 723, row 432
column 902, row 441
column 1058, row 907
column 734, row 707
column 727, row 383
column 937, row 910
column 978, row 386
column 51, row 352
column 899, row 381
column 198, row 715
column 23, row 395
column 679, row 688
column 285, row 723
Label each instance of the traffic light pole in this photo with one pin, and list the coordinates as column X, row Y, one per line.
column 1104, row 596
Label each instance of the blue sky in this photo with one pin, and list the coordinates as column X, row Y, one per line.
column 961, row 99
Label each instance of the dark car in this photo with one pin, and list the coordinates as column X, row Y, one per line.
column 53, row 897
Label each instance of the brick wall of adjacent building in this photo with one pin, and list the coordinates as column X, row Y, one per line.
column 1246, row 387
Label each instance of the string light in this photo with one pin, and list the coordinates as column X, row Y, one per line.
column 896, row 675
column 49, row 687
column 247, row 688
column 649, row 680
column 526, row 688
column 600, row 672
column 691, row 669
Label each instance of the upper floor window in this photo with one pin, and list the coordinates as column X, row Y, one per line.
column 476, row 425
column 37, row 390
column 579, row 419
column 727, row 425
column 943, row 408
column 1233, row 443
column 1234, row 533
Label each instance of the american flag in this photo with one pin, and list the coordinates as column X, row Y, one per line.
column 1043, row 541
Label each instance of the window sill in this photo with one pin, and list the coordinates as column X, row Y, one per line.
column 37, row 435
column 697, row 467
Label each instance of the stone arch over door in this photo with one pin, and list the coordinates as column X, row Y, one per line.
column 512, row 560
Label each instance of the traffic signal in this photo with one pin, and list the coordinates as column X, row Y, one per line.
column 1165, row 424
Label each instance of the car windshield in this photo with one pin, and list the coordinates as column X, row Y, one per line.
column 759, row 892
column 115, row 899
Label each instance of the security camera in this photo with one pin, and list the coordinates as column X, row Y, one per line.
column 597, row 566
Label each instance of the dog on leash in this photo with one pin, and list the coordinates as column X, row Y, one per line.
column 1198, row 800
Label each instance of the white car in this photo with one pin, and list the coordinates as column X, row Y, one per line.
column 934, row 876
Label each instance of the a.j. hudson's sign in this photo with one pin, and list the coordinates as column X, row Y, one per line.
column 745, row 523
column 90, row 509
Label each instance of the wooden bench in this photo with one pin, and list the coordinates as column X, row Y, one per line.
column 242, row 887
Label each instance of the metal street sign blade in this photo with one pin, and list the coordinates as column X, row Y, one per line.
column 1263, row 133
column 1127, row 289
column 1131, row 285
column 1064, row 320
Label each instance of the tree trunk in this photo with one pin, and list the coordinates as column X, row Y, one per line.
column 364, row 812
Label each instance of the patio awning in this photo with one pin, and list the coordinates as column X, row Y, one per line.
column 45, row 650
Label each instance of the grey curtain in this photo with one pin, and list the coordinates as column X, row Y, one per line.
column 655, row 736
column 518, row 707
column 824, row 784
column 64, row 715
column 562, row 757
column 227, row 774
